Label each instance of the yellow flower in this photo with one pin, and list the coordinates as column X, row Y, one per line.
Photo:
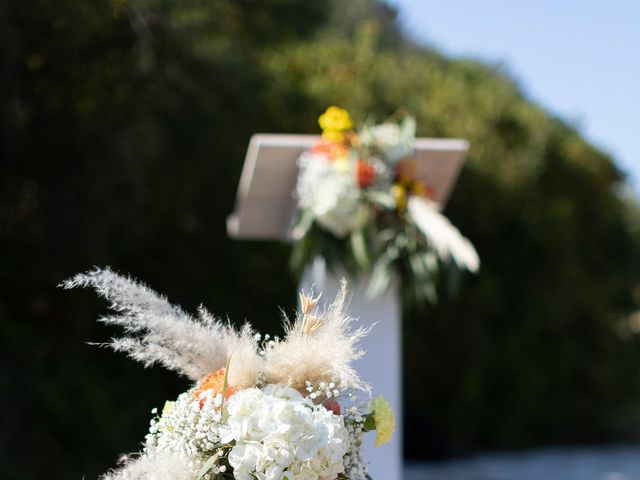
column 384, row 418
column 399, row 192
column 333, row 122
column 418, row 189
column 333, row 136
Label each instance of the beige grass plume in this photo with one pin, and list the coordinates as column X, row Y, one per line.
column 159, row 332
column 318, row 347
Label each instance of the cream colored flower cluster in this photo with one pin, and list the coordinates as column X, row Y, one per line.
column 268, row 433
column 187, row 429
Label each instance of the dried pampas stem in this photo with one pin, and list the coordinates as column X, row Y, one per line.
column 310, row 323
column 158, row 332
column 319, row 345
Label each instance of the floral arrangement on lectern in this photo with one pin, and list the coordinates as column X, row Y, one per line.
column 361, row 206
column 260, row 408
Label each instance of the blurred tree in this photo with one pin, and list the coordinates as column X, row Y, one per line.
column 554, row 337
column 531, row 351
column 123, row 126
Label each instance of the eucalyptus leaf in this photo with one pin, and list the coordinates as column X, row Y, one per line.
column 383, row 199
column 392, row 252
column 430, row 260
column 303, row 224
column 418, row 267
column 380, row 278
column 359, row 248
column 386, row 236
column 401, row 241
column 301, row 254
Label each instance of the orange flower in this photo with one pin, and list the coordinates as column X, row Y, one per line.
column 365, row 173
column 331, row 150
column 215, row 382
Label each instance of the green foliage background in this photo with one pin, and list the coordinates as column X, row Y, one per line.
column 123, row 130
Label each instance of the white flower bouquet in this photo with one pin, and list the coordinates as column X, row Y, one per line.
column 260, row 408
column 362, row 208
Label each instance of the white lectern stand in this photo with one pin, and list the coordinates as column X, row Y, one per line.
column 265, row 208
column 381, row 367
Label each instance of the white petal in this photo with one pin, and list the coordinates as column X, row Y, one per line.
column 446, row 239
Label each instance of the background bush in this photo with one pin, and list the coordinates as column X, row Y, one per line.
column 123, row 130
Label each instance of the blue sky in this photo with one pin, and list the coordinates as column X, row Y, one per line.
column 579, row 59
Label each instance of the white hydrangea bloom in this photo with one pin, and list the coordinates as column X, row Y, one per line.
column 330, row 193
column 278, row 433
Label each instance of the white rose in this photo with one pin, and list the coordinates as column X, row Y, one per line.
column 395, row 141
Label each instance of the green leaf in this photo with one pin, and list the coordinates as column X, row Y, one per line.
column 418, row 268
column 301, row 254
column 359, row 249
column 386, row 236
column 430, row 260
column 206, row 467
column 369, row 423
column 380, row 278
column 383, row 199
column 303, row 224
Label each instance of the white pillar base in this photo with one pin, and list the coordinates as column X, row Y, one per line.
column 381, row 367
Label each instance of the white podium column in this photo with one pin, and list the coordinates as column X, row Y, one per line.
column 381, row 367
